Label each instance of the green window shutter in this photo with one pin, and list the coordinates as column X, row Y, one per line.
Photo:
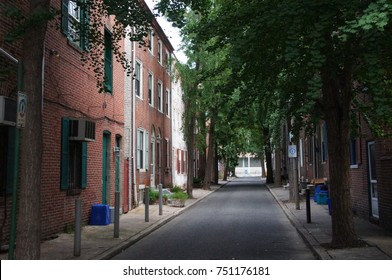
column 108, row 67
column 84, row 25
column 64, row 16
column 146, row 149
column 139, row 143
column 84, row 165
column 64, row 154
column 11, row 160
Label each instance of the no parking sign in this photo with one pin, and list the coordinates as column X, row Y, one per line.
column 292, row 151
column 21, row 110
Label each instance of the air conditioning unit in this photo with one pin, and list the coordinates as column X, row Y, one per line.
column 7, row 111
column 81, row 130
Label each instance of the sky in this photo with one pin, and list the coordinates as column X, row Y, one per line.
column 172, row 33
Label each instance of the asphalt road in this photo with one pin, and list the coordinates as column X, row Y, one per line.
column 241, row 220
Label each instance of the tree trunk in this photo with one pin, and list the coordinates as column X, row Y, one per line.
column 336, row 100
column 28, row 234
column 191, row 154
column 210, row 153
column 268, row 156
column 278, row 168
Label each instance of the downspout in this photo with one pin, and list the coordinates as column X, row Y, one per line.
column 133, row 137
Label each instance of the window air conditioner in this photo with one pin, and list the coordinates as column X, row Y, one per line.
column 81, row 130
column 7, row 111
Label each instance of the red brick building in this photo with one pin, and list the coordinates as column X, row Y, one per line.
column 82, row 128
column 370, row 167
column 152, row 132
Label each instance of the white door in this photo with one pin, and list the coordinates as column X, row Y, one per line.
column 373, row 179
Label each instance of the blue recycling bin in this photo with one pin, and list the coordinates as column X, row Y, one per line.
column 100, row 215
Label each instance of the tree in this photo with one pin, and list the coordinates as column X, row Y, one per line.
column 318, row 60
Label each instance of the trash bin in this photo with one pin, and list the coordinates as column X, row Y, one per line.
column 322, row 197
column 100, row 214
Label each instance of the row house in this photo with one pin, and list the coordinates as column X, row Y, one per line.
column 94, row 143
column 179, row 149
column 82, row 128
column 148, row 94
column 370, row 165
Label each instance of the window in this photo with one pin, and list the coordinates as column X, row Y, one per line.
column 150, row 41
column 138, row 79
column 160, row 52
column 73, row 161
column 75, row 22
column 108, row 67
column 159, row 95
column 167, row 62
column 167, row 103
column 150, row 89
column 142, row 150
column 355, row 152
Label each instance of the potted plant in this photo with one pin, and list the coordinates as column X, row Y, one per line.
column 178, row 199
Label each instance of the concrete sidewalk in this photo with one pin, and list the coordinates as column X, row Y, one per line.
column 319, row 231
column 98, row 242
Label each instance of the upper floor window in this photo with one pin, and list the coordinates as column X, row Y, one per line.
column 75, row 22
column 159, row 95
column 167, row 62
column 150, row 89
column 138, row 79
column 150, row 41
column 167, row 103
column 160, row 52
column 108, row 65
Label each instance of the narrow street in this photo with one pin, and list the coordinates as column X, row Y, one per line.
column 239, row 221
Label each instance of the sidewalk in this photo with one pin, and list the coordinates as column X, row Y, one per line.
column 98, row 243
column 319, row 231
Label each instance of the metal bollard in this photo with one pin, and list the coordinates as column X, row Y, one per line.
column 308, row 215
column 117, row 214
column 146, row 204
column 160, row 199
column 78, row 227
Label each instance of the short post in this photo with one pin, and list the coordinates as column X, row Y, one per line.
column 160, row 199
column 146, row 204
column 78, row 227
column 117, row 214
column 308, row 215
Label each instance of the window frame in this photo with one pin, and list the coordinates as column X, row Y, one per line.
column 142, row 160
column 150, row 88
column 138, row 79
column 65, row 162
column 80, row 25
column 108, row 62
column 159, row 96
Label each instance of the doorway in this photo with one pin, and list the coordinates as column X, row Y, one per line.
column 373, row 179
